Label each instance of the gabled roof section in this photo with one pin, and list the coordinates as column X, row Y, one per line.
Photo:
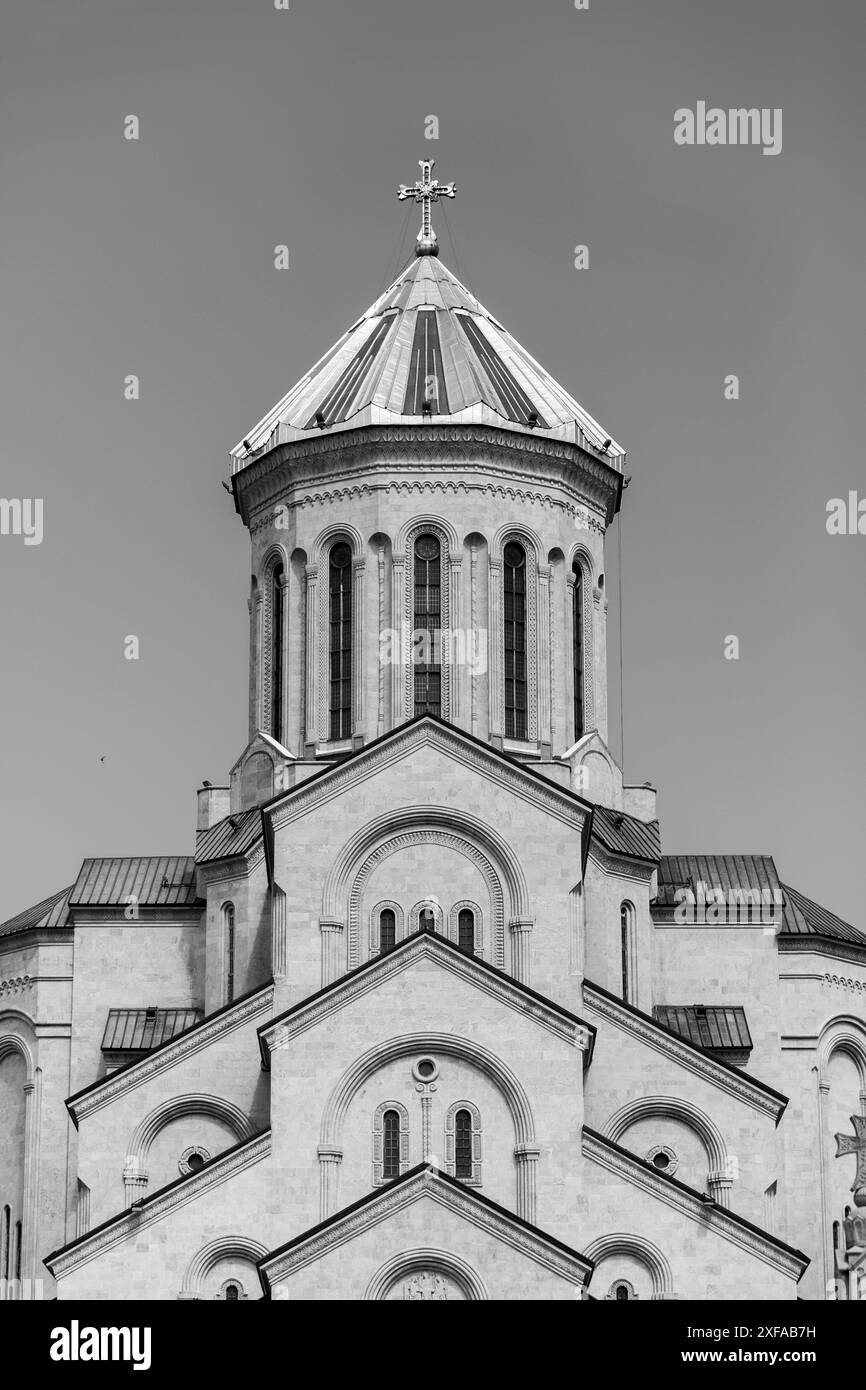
column 420, row 945
column 153, row 881
column 51, row 913
column 419, row 1182
column 141, row 1030
column 234, row 834
column 803, row 917
column 427, row 348
column 626, row 835
column 729, row 872
column 716, row 1027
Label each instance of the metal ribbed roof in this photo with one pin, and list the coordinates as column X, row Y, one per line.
column 720, row 1028
column 427, row 349
column 138, row 1030
column 802, row 917
column 51, row 912
column 729, row 872
column 155, row 881
column 234, row 834
column 624, row 834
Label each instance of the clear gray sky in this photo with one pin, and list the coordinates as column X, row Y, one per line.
column 156, row 258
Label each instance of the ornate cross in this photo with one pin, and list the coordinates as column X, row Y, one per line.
column 426, row 190
column 846, row 1145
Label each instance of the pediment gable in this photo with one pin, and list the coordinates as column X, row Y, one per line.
column 503, row 772
column 455, row 1222
column 421, row 949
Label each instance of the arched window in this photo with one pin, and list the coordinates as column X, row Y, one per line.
column 466, row 931
column 390, row 1141
column 626, row 927
column 229, row 922
column 231, row 1293
column 515, row 641
column 387, row 929
column 277, row 593
column 427, row 650
column 463, row 1144
column 340, row 644
column 577, row 650
column 390, row 1145
column 621, row 1292
column 426, row 919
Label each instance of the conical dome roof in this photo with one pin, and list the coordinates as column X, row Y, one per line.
column 428, row 350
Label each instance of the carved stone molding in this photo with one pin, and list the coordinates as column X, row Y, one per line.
column 392, row 1200
column 19, row 985
column 735, row 1083
column 724, row 1223
column 139, row 1218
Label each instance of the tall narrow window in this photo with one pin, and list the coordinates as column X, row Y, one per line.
column 277, row 592
column 18, row 1250
column 5, row 1236
column 340, row 620
column 390, row 1144
column 626, row 925
column 515, row 641
column 463, row 1144
column 387, row 929
column 466, row 931
column 229, row 918
column 577, row 650
column 427, row 650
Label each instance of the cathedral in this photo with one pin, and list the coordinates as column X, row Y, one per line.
column 427, row 1013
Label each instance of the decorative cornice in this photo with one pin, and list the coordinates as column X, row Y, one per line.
column 19, row 985
column 495, row 1221
column 791, row 944
column 178, row 1194
column 169, row 1054
column 620, row 865
column 429, row 447
column 734, row 1082
column 703, row 1210
column 423, row 946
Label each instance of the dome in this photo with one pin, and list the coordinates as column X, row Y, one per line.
column 428, row 350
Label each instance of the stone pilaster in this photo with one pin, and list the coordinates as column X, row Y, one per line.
column 333, row 949
column 526, row 1158
column 330, row 1159
column 521, row 941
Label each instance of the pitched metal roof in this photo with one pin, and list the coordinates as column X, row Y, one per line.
column 622, row 834
column 51, row 912
column 155, row 881
column 234, row 834
column 803, row 917
column 719, row 1028
column 427, row 348
column 139, row 1030
column 729, row 872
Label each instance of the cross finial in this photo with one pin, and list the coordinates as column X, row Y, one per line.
column 426, row 190
column 845, row 1144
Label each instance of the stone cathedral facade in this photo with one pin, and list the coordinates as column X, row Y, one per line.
column 428, row 1014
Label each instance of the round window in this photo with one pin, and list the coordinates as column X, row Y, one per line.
column 193, row 1159
column 663, row 1158
column 425, row 1069
column 427, row 547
